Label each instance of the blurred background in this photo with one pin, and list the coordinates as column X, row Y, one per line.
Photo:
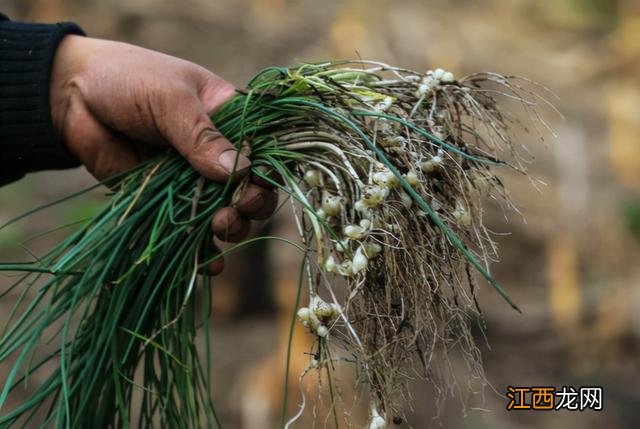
column 570, row 260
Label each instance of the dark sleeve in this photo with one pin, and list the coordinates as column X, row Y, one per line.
column 27, row 139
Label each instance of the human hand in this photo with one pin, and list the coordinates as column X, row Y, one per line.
column 115, row 105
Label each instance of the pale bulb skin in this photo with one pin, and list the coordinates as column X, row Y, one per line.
column 360, row 261
column 360, row 206
column 372, row 249
column 346, row 268
column 377, row 421
column 432, row 165
column 412, row 178
column 304, row 314
column 330, row 264
column 373, row 195
column 385, row 179
column 331, row 204
column 461, row 214
column 448, row 77
column 313, row 178
column 354, row 232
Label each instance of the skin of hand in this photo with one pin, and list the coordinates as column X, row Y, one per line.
column 115, row 105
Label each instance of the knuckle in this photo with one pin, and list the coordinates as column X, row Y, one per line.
column 203, row 133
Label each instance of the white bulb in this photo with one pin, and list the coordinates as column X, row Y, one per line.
column 345, row 268
column 384, row 104
column 372, row 249
column 447, row 77
column 423, row 89
column 432, row 165
column 360, row 206
column 377, row 421
column 365, row 223
column 330, row 264
column 304, row 314
column 342, row 245
column 324, row 311
column 355, row 232
column 322, row 331
column 331, row 204
column 360, row 261
column 412, row 178
column 406, row 199
column 438, row 74
column 385, row 179
column 313, row 178
column 428, row 79
column 314, row 321
column 461, row 215
column 321, row 308
column 373, row 195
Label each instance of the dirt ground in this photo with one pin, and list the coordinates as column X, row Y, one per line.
column 570, row 259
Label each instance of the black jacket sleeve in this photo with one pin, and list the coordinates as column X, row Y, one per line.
column 27, row 139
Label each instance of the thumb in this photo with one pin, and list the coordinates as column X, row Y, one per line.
column 193, row 134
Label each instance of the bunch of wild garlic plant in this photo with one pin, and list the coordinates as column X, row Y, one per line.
column 387, row 169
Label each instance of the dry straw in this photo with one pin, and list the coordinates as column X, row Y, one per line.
column 387, row 169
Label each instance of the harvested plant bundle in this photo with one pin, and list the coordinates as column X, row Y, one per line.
column 387, row 169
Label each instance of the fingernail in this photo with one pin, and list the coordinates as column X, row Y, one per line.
column 230, row 160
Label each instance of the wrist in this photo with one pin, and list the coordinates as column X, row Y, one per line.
column 28, row 139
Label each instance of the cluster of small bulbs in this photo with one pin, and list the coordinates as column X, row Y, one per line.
column 432, row 79
column 318, row 315
column 359, row 222
column 359, row 237
column 357, row 246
